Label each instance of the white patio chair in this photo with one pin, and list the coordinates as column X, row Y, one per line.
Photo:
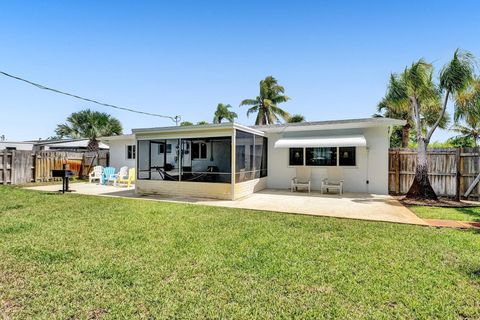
column 96, row 174
column 121, row 175
column 302, row 179
column 334, row 181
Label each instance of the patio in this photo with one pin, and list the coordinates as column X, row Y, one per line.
column 349, row 205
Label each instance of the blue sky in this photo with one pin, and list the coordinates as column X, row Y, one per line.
column 183, row 57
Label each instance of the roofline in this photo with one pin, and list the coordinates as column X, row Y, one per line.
column 119, row 137
column 331, row 124
column 203, row 127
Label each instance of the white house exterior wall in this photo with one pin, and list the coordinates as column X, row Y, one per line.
column 118, row 153
column 373, row 167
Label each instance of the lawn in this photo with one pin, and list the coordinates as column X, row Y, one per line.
column 460, row 214
column 75, row 256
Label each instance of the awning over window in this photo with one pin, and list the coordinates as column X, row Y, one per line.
column 325, row 141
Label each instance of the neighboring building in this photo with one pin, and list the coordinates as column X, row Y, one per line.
column 72, row 145
column 230, row 161
column 16, row 145
column 122, row 150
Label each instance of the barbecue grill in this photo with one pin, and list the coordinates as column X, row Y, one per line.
column 65, row 174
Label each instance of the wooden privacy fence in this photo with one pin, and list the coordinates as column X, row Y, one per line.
column 451, row 170
column 19, row 167
column 16, row 167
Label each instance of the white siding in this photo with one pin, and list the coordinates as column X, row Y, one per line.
column 376, row 171
column 118, row 153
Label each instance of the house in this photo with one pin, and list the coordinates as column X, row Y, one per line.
column 122, row 150
column 71, row 145
column 230, row 161
column 16, row 145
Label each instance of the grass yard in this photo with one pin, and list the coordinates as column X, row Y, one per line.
column 460, row 214
column 75, row 256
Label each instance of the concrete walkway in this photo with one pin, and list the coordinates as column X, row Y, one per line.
column 349, row 205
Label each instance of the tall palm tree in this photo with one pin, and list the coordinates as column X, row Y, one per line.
column 467, row 111
column 90, row 125
column 388, row 110
column 415, row 88
column 223, row 112
column 266, row 104
column 295, row 118
column 468, row 130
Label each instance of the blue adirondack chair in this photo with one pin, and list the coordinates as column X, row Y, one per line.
column 106, row 174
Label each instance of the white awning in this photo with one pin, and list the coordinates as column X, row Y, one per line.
column 325, row 141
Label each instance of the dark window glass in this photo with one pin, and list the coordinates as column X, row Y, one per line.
column 347, row 156
column 321, row 156
column 264, row 164
column 160, row 148
column 296, row 157
column 131, row 152
column 199, row 150
column 169, row 148
column 203, row 150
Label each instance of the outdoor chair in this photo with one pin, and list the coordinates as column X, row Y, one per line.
column 127, row 179
column 96, row 174
column 334, row 181
column 113, row 178
column 107, row 172
column 302, row 179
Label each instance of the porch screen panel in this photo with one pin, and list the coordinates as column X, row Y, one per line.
column 207, row 159
column 143, row 158
column 250, row 156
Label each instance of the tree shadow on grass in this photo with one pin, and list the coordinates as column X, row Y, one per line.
column 473, row 213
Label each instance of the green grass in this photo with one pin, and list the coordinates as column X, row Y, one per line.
column 74, row 256
column 460, row 214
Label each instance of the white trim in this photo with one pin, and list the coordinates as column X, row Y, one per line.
column 322, row 142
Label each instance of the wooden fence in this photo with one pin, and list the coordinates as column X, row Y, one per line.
column 451, row 171
column 19, row 167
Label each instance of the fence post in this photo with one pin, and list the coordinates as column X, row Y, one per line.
column 5, row 162
column 458, row 174
column 397, row 172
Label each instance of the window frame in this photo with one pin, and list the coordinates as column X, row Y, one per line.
column 199, row 144
column 133, row 152
column 337, row 164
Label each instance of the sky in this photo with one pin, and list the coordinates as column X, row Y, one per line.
column 184, row 57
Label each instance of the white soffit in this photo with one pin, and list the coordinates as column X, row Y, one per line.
column 325, row 141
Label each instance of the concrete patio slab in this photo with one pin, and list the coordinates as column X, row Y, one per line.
column 349, row 205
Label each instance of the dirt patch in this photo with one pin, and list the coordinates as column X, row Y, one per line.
column 441, row 202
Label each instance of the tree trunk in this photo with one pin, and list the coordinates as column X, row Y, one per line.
column 93, row 145
column 421, row 188
column 405, row 135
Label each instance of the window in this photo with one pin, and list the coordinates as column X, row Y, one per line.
column 296, row 157
column 169, row 148
column 160, row 148
column 131, row 152
column 199, row 150
column 321, row 156
column 347, row 156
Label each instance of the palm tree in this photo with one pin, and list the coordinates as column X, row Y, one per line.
column 468, row 131
column 266, row 104
column 467, row 102
column 415, row 88
column 296, row 118
column 223, row 112
column 90, row 125
column 387, row 110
